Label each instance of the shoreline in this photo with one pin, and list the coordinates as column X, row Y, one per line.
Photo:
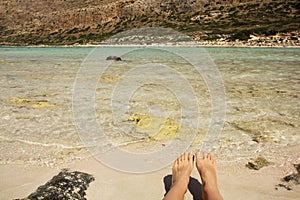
column 205, row 45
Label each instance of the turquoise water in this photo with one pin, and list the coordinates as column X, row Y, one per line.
column 37, row 87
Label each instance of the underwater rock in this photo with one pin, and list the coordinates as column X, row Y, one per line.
column 142, row 120
column 16, row 101
column 157, row 128
column 170, row 128
column 110, row 79
column 261, row 138
column 42, row 104
column 258, row 163
column 28, row 103
column 65, row 185
column 265, row 130
column 116, row 58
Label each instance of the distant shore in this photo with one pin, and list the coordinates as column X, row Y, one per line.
column 198, row 44
column 280, row 40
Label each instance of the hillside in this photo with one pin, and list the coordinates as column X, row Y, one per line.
column 67, row 22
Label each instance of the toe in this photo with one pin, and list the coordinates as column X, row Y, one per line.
column 180, row 158
column 209, row 156
column 206, row 156
column 190, row 157
column 198, row 154
column 186, row 156
column 176, row 162
column 213, row 159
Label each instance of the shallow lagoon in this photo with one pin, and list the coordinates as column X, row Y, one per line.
column 37, row 84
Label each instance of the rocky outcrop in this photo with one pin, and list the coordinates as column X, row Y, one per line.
column 61, row 22
column 65, row 185
column 116, row 58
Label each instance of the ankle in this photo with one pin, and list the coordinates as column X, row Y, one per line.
column 179, row 187
column 210, row 187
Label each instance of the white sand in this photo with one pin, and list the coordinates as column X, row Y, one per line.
column 235, row 181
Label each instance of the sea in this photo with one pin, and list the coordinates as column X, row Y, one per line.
column 60, row 104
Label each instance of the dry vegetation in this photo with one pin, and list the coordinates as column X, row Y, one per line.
column 60, row 22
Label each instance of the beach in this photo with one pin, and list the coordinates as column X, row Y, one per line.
column 235, row 181
column 40, row 135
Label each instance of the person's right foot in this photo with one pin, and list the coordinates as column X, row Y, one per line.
column 207, row 169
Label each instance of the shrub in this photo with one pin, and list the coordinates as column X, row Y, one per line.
column 210, row 37
column 241, row 35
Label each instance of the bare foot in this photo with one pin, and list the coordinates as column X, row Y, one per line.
column 207, row 169
column 181, row 172
column 182, row 169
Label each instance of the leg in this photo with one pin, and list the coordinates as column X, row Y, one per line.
column 207, row 169
column 194, row 187
column 181, row 172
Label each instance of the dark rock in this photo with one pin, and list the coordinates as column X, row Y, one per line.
column 116, row 58
column 284, row 186
column 65, row 185
column 295, row 177
column 289, row 179
column 251, row 165
column 258, row 163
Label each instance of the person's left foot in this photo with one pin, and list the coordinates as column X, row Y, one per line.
column 181, row 171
